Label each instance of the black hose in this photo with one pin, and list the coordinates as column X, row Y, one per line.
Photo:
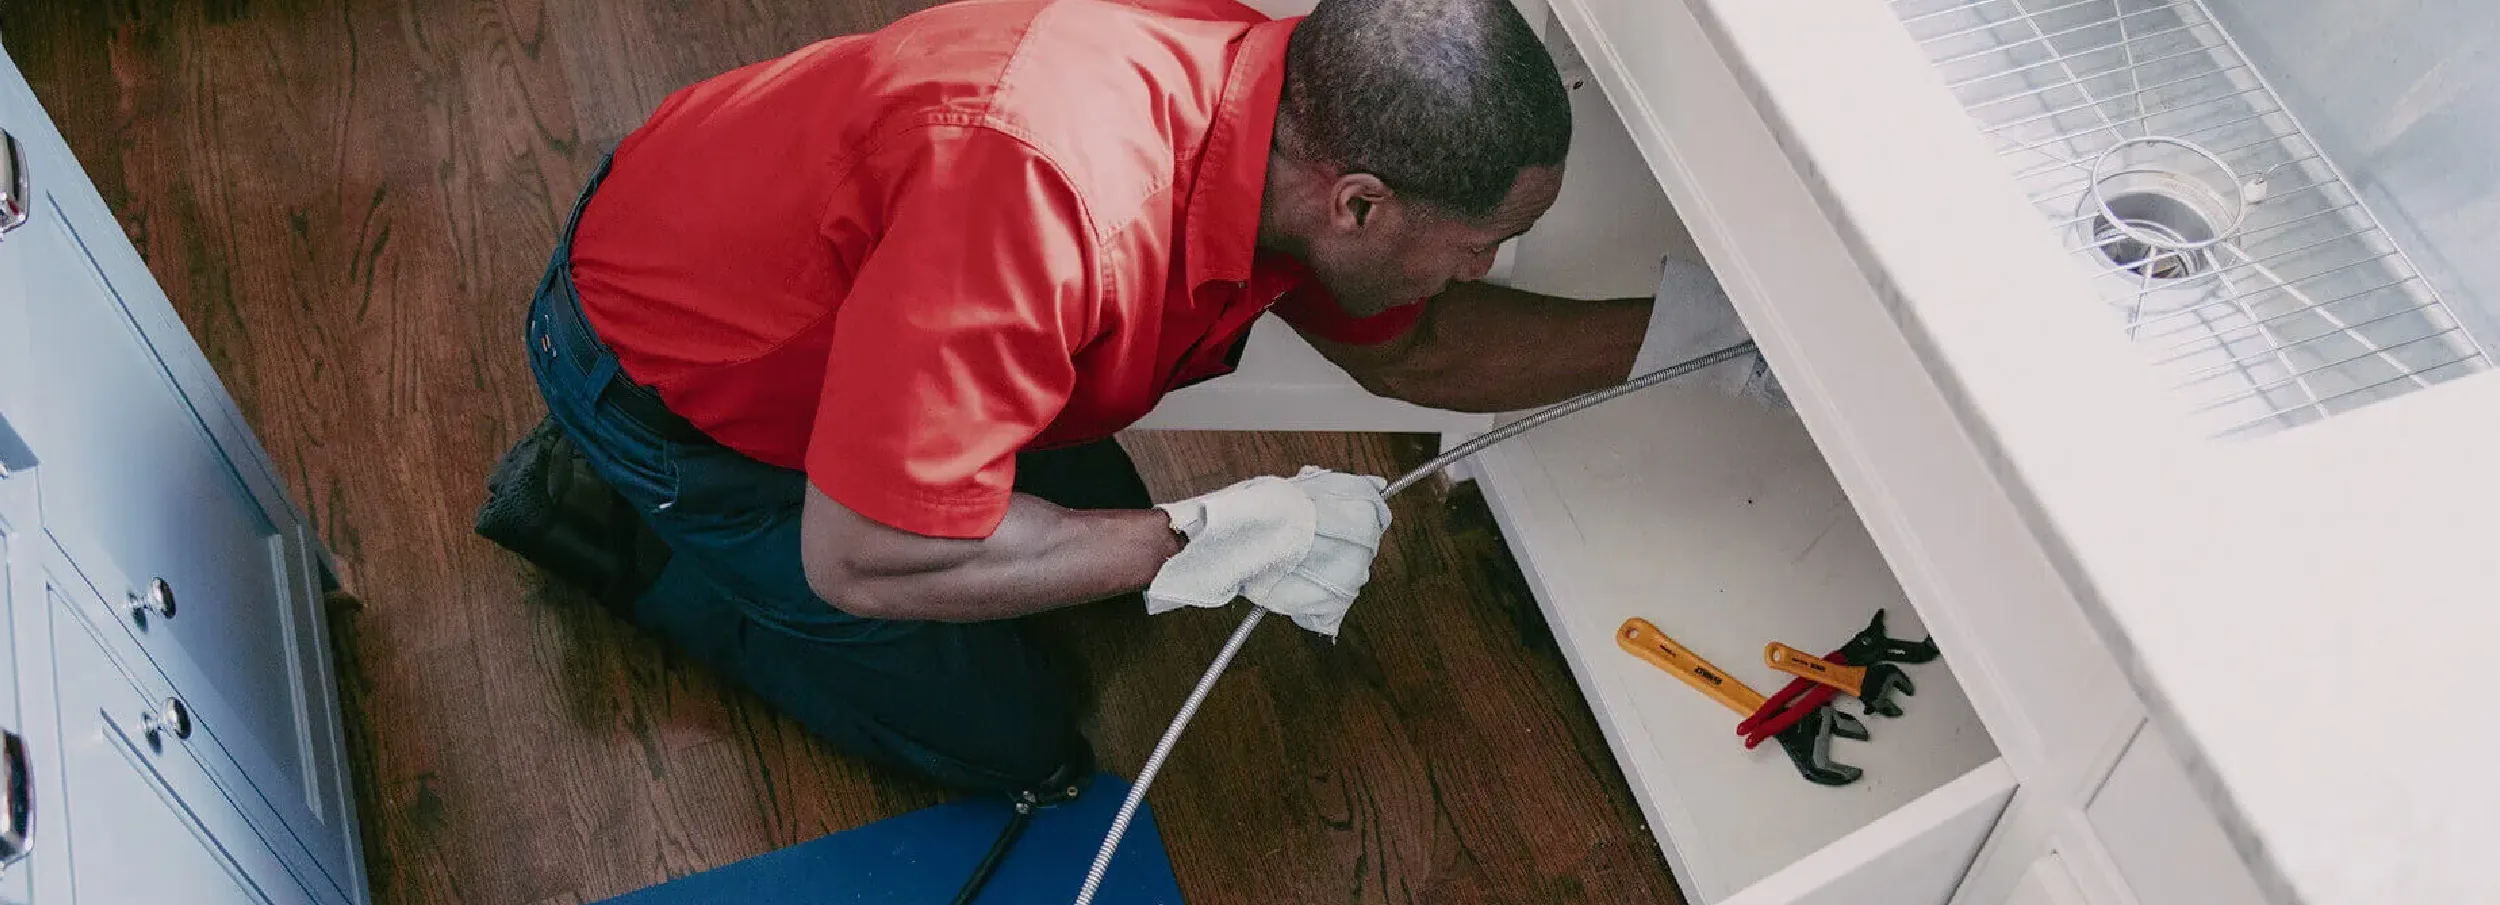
column 998, row 852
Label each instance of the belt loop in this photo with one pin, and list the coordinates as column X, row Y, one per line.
column 603, row 371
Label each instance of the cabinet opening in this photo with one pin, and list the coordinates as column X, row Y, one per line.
column 1716, row 519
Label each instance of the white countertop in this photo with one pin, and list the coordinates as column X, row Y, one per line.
column 2290, row 607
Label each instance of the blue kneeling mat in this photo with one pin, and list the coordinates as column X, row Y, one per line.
column 923, row 858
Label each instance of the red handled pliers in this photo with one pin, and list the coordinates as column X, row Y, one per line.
column 1802, row 697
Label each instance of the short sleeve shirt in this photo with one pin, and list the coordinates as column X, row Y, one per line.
column 896, row 259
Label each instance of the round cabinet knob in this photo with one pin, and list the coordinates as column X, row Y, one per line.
column 173, row 719
column 158, row 601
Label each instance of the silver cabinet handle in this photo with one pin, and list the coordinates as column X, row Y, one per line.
column 158, row 602
column 17, row 182
column 17, row 813
column 173, row 719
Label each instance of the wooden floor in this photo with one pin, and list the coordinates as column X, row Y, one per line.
column 349, row 200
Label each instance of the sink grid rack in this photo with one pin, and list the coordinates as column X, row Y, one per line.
column 2234, row 252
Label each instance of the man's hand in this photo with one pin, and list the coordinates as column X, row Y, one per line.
column 1300, row 546
column 1041, row 557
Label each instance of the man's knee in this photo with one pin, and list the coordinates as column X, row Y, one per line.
column 545, row 503
column 1038, row 761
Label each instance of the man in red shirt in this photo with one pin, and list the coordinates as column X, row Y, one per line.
column 852, row 328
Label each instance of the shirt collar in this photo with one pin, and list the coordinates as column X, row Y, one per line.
column 1222, row 230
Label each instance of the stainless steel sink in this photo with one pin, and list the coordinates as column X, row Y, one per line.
column 2226, row 241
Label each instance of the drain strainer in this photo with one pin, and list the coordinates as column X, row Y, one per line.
column 2156, row 206
column 2154, row 235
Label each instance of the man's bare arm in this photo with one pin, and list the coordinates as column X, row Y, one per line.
column 1041, row 557
column 1487, row 348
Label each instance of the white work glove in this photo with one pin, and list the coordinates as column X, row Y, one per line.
column 1692, row 317
column 1300, row 546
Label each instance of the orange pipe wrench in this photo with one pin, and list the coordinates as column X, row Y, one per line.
column 1645, row 641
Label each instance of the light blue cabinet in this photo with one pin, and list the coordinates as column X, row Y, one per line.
column 144, row 819
column 20, row 582
column 167, row 652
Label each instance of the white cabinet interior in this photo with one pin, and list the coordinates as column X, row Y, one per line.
column 1722, row 523
column 1718, row 521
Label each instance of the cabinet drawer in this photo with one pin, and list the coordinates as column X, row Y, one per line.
column 140, row 818
column 214, row 761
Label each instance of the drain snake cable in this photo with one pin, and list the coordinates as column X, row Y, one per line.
column 1241, row 635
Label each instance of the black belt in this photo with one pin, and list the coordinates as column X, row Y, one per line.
column 638, row 402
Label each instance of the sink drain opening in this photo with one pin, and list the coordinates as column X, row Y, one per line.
column 2155, row 235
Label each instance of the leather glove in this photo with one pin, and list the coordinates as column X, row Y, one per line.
column 1300, row 546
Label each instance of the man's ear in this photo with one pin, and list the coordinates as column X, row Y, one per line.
column 1356, row 197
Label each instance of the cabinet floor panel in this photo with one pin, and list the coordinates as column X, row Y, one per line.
column 348, row 203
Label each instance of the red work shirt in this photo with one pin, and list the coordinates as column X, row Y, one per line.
column 896, row 259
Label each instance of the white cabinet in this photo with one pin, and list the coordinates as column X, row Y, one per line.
column 1729, row 526
column 2118, row 592
column 152, row 558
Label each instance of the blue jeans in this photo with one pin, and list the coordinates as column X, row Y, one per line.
column 974, row 705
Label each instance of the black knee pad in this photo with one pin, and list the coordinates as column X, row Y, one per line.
column 545, row 503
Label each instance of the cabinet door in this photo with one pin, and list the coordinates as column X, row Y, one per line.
column 142, row 824
column 145, row 496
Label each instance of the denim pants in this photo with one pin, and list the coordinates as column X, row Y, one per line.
column 974, row 705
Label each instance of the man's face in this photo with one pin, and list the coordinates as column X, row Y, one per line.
column 1381, row 251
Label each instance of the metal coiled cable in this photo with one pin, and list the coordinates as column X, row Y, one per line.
column 1241, row 635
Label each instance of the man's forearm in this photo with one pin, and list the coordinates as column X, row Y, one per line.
column 1041, row 557
column 1487, row 348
